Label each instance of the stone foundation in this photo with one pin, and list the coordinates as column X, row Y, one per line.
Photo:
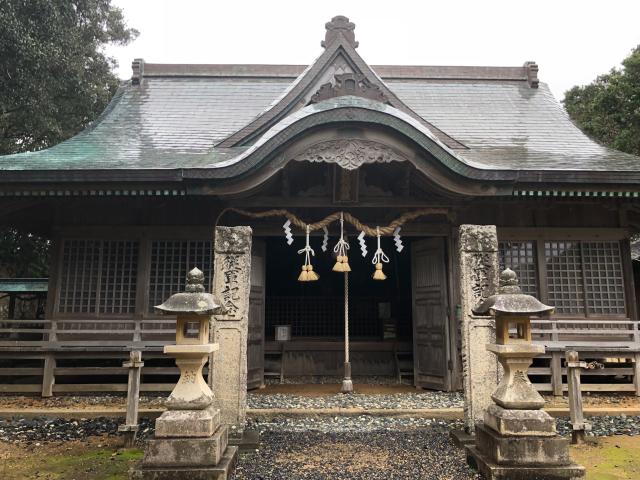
column 189, row 444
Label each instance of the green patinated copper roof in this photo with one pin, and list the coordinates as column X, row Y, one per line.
column 23, row 285
column 170, row 124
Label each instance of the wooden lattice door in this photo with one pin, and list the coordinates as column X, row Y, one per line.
column 255, row 340
column 430, row 307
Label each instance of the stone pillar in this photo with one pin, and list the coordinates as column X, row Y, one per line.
column 232, row 286
column 479, row 269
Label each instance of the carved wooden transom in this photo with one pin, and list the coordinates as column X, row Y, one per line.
column 350, row 84
column 350, row 153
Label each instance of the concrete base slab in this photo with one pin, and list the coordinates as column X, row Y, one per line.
column 221, row 471
column 493, row 471
column 460, row 438
column 247, row 442
column 184, row 452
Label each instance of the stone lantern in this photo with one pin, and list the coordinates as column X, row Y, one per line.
column 517, row 438
column 189, row 442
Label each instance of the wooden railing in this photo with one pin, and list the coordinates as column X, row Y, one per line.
column 34, row 349
column 61, row 333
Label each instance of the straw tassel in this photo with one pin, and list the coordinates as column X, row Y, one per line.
column 307, row 274
column 304, row 275
column 378, row 259
column 342, row 260
column 378, row 274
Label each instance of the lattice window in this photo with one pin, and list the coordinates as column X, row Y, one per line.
column 604, row 279
column 564, row 276
column 170, row 262
column 119, row 274
column 520, row 257
column 79, row 276
column 98, row 276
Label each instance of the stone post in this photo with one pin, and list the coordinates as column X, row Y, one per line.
column 478, row 267
column 232, row 285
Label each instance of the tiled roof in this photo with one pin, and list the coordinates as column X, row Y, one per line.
column 508, row 125
column 177, row 115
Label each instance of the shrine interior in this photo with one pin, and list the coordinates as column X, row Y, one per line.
column 379, row 311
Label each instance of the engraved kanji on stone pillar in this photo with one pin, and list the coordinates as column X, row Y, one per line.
column 479, row 269
column 231, row 285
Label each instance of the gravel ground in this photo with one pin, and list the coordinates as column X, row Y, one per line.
column 41, row 430
column 401, row 400
column 317, row 448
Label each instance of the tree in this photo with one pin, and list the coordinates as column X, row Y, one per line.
column 55, row 77
column 608, row 109
column 23, row 254
column 54, row 80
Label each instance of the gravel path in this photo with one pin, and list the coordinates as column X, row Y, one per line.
column 286, row 455
column 399, row 400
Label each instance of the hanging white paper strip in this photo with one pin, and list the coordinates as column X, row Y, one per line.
column 363, row 245
column 325, row 239
column 287, row 232
column 397, row 240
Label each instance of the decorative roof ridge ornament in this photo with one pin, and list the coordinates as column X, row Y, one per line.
column 531, row 69
column 137, row 67
column 339, row 25
column 511, row 300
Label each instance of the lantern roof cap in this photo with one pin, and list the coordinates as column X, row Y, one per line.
column 511, row 300
column 193, row 299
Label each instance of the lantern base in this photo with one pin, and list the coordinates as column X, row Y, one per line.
column 222, row 471
column 492, row 471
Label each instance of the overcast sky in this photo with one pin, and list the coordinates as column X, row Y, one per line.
column 572, row 41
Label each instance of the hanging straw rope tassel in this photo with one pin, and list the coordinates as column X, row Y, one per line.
column 342, row 260
column 307, row 274
column 347, row 383
column 378, row 258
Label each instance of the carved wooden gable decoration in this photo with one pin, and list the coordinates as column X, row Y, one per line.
column 350, row 84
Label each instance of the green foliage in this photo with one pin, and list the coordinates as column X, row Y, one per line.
column 608, row 109
column 23, row 254
column 54, row 75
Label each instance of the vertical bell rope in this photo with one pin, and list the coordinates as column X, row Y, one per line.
column 347, row 383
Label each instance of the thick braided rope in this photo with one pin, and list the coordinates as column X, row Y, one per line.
column 371, row 231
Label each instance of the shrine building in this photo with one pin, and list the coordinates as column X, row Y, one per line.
column 131, row 202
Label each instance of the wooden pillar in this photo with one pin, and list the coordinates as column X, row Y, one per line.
column 636, row 373
column 48, row 375
column 556, row 373
column 578, row 426
column 130, row 428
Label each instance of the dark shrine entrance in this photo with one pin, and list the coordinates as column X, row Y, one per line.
column 398, row 327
